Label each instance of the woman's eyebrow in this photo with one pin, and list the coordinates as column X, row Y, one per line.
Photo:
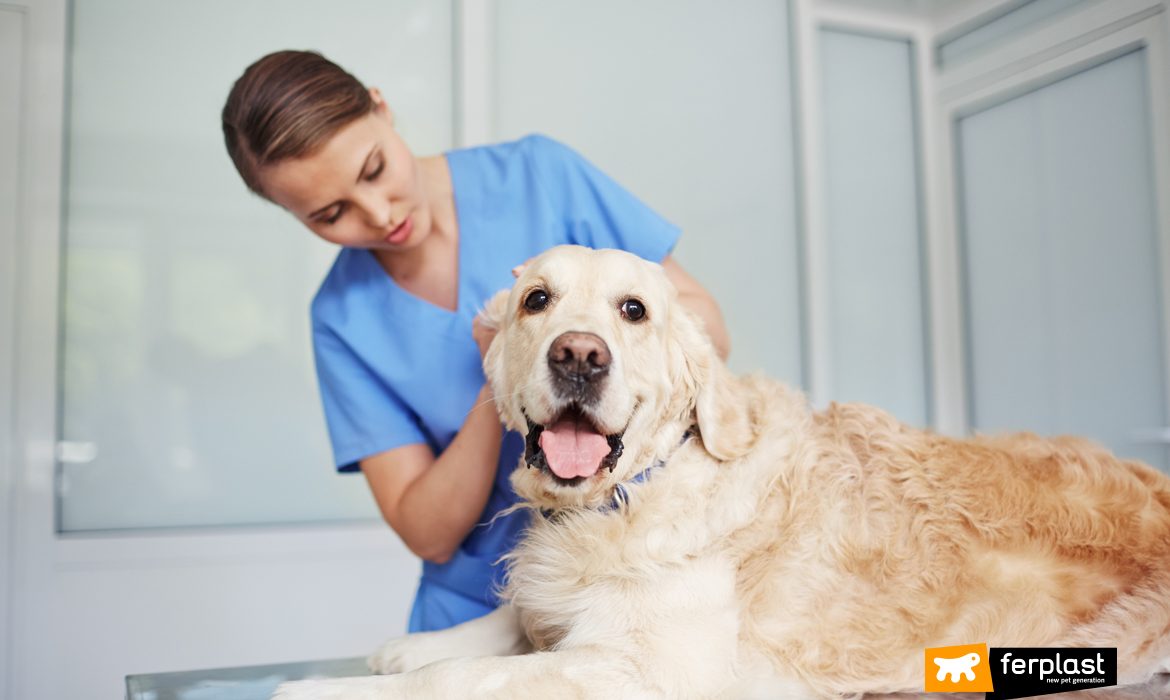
column 317, row 212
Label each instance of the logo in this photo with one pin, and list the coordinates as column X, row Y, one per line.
column 1026, row 671
column 1005, row 673
column 959, row 669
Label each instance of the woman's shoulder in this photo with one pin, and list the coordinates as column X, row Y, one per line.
column 543, row 147
column 341, row 285
column 538, row 147
column 487, row 175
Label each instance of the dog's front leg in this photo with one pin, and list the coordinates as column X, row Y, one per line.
column 584, row 672
column 498, row 633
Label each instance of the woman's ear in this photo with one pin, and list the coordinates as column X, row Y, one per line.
column 702, row 383
column 381, row 107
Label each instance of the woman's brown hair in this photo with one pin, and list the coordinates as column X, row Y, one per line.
column 286, row 105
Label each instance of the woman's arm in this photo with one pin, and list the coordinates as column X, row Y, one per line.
column 432, row 503
column 699, row 300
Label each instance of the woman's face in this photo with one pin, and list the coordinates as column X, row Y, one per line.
column 361, row 189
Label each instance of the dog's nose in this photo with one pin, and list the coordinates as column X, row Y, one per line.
column 579, row 357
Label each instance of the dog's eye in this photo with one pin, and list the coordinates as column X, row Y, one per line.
column 536, row 300
column 632, row 310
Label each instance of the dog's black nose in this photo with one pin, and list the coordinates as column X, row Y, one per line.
column 577, row 361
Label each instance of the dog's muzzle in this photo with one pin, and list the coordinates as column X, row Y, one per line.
column 570, row 447
column 579, row 364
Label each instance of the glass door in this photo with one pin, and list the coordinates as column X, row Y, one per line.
column 188, row 396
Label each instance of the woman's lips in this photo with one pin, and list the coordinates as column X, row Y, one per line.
column 401, row 233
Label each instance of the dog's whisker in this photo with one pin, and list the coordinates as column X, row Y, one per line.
column 518, row 391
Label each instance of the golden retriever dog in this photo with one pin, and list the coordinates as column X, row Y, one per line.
column 701, row 535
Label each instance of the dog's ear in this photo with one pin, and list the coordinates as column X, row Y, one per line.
column 495, row 309
column 494, row 315
column 703, row 384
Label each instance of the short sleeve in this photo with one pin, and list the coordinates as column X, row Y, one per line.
column 599, row 212
column 364, row 415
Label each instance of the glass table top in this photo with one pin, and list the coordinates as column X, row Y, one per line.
column 258, row 683
column 239, row 683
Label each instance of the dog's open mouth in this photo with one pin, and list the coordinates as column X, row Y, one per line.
column 571, row 448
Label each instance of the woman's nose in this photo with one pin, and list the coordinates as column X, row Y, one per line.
column 376, row 209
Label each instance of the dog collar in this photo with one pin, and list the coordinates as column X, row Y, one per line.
column 621, row 492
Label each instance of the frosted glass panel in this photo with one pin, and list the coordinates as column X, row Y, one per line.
column 1065, row 331
column 1005, row 27
column 187, row 377
column 687, row 104
column 874, row 255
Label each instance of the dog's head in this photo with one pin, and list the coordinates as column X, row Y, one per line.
column 602, row 370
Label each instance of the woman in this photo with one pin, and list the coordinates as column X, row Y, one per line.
column 425, row 242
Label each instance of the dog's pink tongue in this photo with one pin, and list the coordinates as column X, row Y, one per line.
column 572, row 448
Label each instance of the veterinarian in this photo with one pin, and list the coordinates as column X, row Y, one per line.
column 425, row 242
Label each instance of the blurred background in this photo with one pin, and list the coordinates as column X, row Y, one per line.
column 957, row 210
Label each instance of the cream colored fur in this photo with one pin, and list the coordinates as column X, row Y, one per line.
column 782, row 552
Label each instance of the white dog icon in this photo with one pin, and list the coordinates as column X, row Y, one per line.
column 956, row 667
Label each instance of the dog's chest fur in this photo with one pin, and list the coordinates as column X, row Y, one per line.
column 589, row 574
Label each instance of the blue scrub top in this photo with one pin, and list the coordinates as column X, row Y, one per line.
column 396, row 370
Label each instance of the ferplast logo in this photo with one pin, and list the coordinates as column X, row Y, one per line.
column 1026, row 671
column 958, row 669
column 1005, row 673
column 1044, row 668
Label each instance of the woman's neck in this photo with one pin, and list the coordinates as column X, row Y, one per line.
column 430, row 269
column 440, row 195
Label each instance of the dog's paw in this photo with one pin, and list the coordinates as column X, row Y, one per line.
column 410, row 652
column 360, row 688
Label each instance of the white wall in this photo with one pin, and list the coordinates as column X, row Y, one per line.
column 687, row 104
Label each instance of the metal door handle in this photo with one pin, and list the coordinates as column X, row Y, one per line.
column 1159, row 436
column 76, row 452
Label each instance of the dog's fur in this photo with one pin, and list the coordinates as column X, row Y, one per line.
column 780, row 552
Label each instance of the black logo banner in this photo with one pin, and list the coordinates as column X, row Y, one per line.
column 1020, row 672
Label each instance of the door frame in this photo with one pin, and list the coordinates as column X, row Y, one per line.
column 14, row 27
column 1024, row 64
column 807, row 19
